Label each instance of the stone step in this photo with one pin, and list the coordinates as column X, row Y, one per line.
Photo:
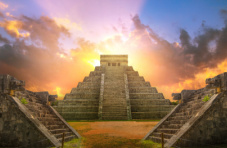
column 123, row 104
column 35, row 104
column 113, row 109
column 95, row 73
column 146, row 96
column 83, row 95
column 129, row 68
column 45, row 123
column 92, row 79
column 80, row 108
column 157, row 139
column 58, row 131
column 85, row 90
column 142, row 108
column 79, row 102
column 191, row 107
column 165, row 135
column 114, row 113
column 179, row 117
column 138, row 84
column 132, row 73
column 114, row 97
column 59, row 135
column 136, row 78
column 167, row 122
column 46, row 115
column 53, row 127
column 143, row 90
column 167, row 130
column 68, row 138
column 88, row 85
column 172, row 126
column 114, row 93
column 48, row 119
column 147, row 102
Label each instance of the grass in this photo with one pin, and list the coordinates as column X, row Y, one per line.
column 73, row 143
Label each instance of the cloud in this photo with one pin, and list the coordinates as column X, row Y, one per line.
column 3, row 6
column 44, row 65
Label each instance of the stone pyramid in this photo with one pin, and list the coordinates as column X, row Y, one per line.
column 199, row 120
column 26, row 119
column 113, row 91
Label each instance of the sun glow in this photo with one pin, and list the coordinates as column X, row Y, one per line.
column 94, row 62
column 58, row 90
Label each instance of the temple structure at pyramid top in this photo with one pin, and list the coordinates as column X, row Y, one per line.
column 114, row 60
column 113, row 91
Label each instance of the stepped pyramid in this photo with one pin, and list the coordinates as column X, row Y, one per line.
column 196, row 121
column 26, row 119
column 113, row 91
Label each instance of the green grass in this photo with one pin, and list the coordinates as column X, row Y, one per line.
column 150, row 144
column 73, row 143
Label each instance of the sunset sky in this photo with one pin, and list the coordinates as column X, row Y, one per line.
column 54, row 44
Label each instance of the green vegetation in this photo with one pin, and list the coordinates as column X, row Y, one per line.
column 150, row 144
column 55, row 103
column 206, row 98
column 24, row 101
column 174, row 103
column 73, row 143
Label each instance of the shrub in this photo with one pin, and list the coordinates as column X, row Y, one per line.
column 206, row 98
column 174, row 103
column 24, row 101
column 55, row 103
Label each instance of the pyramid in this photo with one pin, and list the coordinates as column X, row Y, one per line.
column 199, row 120
column 26, row 119
column 113, row 91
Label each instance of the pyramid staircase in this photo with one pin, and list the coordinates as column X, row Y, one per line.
column 48, row 117
column 114, row 97
column 188, row 123
column 34, row 114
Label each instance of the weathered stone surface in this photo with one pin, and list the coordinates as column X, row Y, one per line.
column 27, row 121
column 195, row 122
column 114, row 91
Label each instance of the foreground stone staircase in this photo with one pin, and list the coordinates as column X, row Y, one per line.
column 26, row 118
column 195, row 122
column 46, row 115
column 114, row 97
column 176, row 120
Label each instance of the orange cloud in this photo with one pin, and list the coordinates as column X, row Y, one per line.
column 67, row 23
column 13, row 27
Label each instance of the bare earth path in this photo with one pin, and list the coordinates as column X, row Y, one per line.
column 109, row 134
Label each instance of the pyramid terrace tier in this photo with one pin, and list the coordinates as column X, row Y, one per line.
column 114, row 92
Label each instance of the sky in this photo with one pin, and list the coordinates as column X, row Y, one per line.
column 53, row 45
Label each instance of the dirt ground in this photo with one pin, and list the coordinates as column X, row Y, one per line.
column 110, row 134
